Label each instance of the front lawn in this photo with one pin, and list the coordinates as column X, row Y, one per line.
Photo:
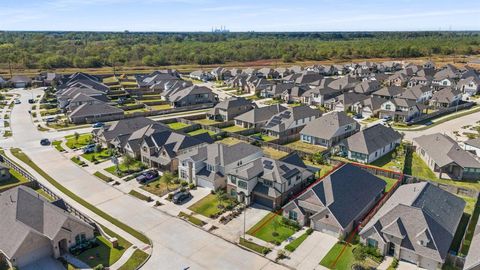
column 83, row 140
column 159, row 188
column 191, row 219
column 200, row 131
column 272, row 229
column 103, row 177
column 344, row 262
column 177, row 125
column 104, row 254
column 58, row 146
column 298, row 241
column 98, row 156
column 137, row 258
column 263, row 137
column 124, row 171
column 233, row 129
column 15, row 180
column 305, row 147
column 255, row 247
column 208, row 206
column 140, row 196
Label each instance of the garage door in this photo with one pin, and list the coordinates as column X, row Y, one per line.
column 204, row 183
column 325, row 228
column 263, row 201
column 408, row 256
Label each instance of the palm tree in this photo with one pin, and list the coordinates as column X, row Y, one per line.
column 221, row 196
column 167, row 178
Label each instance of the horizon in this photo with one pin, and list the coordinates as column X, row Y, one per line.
column 248, row 16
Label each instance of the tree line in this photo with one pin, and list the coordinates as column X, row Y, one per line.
column 97, row 49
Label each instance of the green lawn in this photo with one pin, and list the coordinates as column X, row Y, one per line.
column 102, row 155
column 44, row 194
column 390, row 182
column 233, row 129
column 346, row 260
column 305, row 147
column 470, row 229
column 58, row 146
column 191, row 219
column 160, row 107
column 263, row 137
column 83, row 139
column 23, row 157
column 389, row 163
column 255, row 247
column 158, row 187
column 103, row 177
column 177, row 125
column 137, row 258
column 78, row 161
column 140, row 196
column 297, row 242
column 104, row 254
column 15, row 180
column 265, row 229
column 200, row 131
column 124, row 171
column 207, row 206
column 206, row 122
column 273, row 153
column 230, row 141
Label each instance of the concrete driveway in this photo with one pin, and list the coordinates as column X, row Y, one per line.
column 176, row 244
column 309, row 254
column 402, row 265
column 45, row 264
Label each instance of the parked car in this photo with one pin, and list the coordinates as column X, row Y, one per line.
column 17, row 101
column 31, row 101
column 50, row 119
column 89, row 148
column 181, row 196
column 147, row 176
column 98, row 125
column 387, row 118
column 44, row 142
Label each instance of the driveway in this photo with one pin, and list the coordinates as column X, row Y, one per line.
column 45, row 264
column 176, row 244
column 402, row 265
column 309, row 254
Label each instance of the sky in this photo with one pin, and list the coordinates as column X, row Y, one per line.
column 243, row 15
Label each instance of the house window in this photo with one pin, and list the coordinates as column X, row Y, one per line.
column 239, row 163
column 183, row 174
column 372, row 242
column 388, row 107
column 292, row 215
column 242, row 184
column 233, row 192
column 233, row 179
column 268, row 183
column 210, row 167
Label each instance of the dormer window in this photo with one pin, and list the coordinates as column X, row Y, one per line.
column 210, row 168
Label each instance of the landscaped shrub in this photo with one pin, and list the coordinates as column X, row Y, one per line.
column 184, row 183
column 191, row 186
column 169, row 196
column 290, row 248
column 280, row 255
column 309, row 231
column 291, row 223
column 275, row 242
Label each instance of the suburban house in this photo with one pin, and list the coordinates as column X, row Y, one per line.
column 442, row 154
column 267, row 181
column 34, row 228
column 20, row 81
column 193, row 95
column 418, row 93
column 208, row 166
column 96, row 112
column 329, row 129
column 370, row 144
column 79, row 95
column 290, row 121
column 228, row 109
column 400, row 109
column 469, row 86
column 345, row 101
column 160, row 149
column 4, row 172
column 417, row 224
column 472, row 261
column 446, row 97
column 472, row 146
column 338, row 203
column 367, row 87
column 257, row 117
column 369, row 107
column 130, row 143
column 319, row 95
column 389, row 92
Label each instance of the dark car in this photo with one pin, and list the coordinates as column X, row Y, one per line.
column 31, row 101
column 98, row 125
column 147, row 176
column 181, row 196
column 44, row 142
column 89, row 148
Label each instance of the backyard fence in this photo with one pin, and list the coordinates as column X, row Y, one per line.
column 441, row 112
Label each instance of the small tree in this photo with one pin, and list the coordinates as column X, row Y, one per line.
column 360, row 254
column 76, row 136
column 167, row 178
column 221, row 196
column 128, row 161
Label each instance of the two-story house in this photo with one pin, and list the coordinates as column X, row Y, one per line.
column 290, row 121
column 400, row 109
column 228, row 109
column 446, row 97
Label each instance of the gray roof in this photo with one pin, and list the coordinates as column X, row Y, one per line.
column 328, row 125
column 445, row 95
column 260, row 115
column 171, row 142
column 347, row 82
column 366, row 87
column 420, row 212
column 347, row 192
column 234, row 102
column 371, row 139
column 125, row 126
column 194, row 89
column 218, row 153
column 283, row 120
column 86, row 110
column 390, row 91
column 444, row 150
column 473, row 257
column 415, row 92
column 27, row 216
column 473, row 142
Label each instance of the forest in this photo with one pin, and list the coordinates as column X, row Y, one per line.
column 97, row 49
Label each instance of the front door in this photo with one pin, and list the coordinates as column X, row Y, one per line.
column 63, row 246
column 391, row 249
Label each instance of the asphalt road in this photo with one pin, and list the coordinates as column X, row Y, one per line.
column 176, row 244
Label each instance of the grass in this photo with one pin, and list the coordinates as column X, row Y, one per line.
column 324, row 168
column 191, row 219
column 15, row 179
column 263, row 137
column 160, row 107
column 345, row 261
column 103, row 177
column 273, row 153
column 98, row 156
column 105, row 254
column 297, row 242
column 7, row 133
column 305, row 147
column 230, row 141
column 255, row 247
column 24, row 158
column 390, row 182
column 83, row 139
column 58, row 146
column 158, row 187
column 177, row 125
column 140, row 196
column 206, row 122
column 78, row 161
column 124, row 171
column 207, row 206
column 233, row 129
column 200, row 131
column 45, row 194
column 470, row 229
column 388, row 162
column 138, row 257
column 265, row 229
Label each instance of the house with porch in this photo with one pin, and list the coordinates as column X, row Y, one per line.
column 338, row 203
column 444, row 156
column 400, row 109
column 417, row 224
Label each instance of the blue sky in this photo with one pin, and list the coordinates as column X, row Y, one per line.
column 244, row 15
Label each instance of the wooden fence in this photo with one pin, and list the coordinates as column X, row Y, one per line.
column 441, row 112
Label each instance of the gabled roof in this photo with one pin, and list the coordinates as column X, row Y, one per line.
column 192, row 90
column 233, row 102
column 390, row 91
column 171, row 142
column 283, row 120
column 371, row 139
column 262, row 114
column 445, row 95
column 347, row 192
column 425, row 215
column 444, row 150
column 125, row 126
column 85, row 110
column 218, row 153
column 346, row 82
column 328, row 125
